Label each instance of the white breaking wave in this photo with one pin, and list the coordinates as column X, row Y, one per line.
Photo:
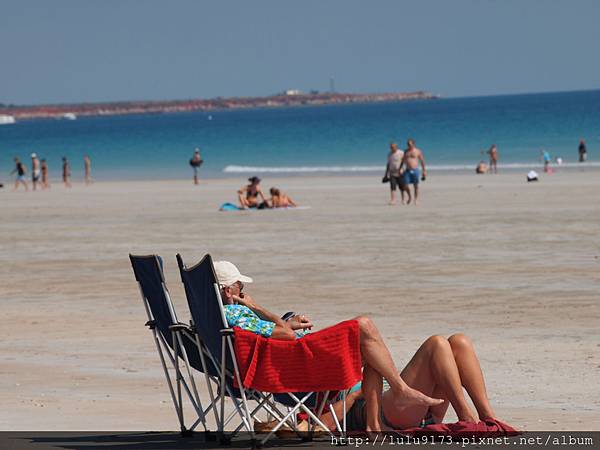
column 336, row 169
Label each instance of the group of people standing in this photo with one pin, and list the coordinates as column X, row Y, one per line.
column 402, row 171
column 39, row 172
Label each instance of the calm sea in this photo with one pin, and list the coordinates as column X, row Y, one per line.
column 453, row 133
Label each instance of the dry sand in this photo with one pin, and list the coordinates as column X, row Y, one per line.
column 516, row 266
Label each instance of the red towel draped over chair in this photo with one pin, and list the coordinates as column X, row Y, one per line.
column 326, row 360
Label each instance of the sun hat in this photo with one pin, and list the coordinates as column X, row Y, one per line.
column 227, row 273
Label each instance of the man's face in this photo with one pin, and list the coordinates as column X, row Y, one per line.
column 234, row 289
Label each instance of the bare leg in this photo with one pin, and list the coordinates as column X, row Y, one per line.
column 377, row 356
column 243, row 201
column 372, row 388
column 432, row 367
column 416, row 197
column 393, row 197
column 338, row 409
column 470, row 374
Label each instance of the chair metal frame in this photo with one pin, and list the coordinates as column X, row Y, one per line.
column 226, row 376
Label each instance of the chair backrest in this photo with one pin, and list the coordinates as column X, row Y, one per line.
column 205, row 307
column 149, row 274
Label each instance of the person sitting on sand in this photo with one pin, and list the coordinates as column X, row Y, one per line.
column 481, row 168
column 243, row 311
column 248, row 195
column 279, row 199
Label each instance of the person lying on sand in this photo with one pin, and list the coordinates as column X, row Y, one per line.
column 279, row 199
column 243, row 311
column 248, row 195
column 440, row 368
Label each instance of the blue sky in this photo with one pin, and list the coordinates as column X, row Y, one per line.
column 73, row 51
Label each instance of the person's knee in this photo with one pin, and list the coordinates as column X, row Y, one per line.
column 366, row 325
column 459, row 341
column 436, row 342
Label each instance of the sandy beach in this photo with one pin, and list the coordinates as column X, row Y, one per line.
column 516, row 266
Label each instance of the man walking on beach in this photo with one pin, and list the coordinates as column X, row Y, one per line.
column 493, row 152
column 35, row 170
column 412, row 157
column 196, row 162
column 393, row 173
column 88, row 169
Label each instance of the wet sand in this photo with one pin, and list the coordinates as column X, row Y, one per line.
column 516, row 266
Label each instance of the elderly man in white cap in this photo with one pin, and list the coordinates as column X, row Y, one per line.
column 242, row 311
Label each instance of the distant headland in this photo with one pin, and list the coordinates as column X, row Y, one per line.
column 287, row 98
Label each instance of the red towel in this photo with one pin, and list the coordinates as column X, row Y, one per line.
column 484, row 428
column 326, row 360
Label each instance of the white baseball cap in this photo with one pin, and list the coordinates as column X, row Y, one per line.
column 33, row 155
column 228, row 274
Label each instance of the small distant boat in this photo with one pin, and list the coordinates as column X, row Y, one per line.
column 69, row 116
column 5, row 119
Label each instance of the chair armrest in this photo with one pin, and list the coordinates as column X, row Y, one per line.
column 226, row 331
column 180, row 326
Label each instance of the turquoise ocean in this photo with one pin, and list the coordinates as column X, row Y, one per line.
column 332, row 139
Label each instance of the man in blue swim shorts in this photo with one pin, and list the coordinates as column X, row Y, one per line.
column 411, row 160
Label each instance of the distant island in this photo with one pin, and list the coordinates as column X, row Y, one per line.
column 287, row 98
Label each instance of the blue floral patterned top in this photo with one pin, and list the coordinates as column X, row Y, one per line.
column 243, row 317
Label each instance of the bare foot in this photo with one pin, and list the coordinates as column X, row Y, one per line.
column 411, row 397
column 470, row 417
column 393, row 203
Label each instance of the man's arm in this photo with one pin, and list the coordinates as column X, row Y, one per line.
column 422, row 163
column 282, row 329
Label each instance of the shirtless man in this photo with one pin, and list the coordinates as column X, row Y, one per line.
column 493, row 152
column 410, row 162
column 243, row 311
column 35, row 170
column 248, row 195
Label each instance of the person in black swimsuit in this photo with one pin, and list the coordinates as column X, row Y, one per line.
column 248, row 195
column 20, row 171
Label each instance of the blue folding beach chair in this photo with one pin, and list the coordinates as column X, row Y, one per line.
column 209, row 322
column 175, row 342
